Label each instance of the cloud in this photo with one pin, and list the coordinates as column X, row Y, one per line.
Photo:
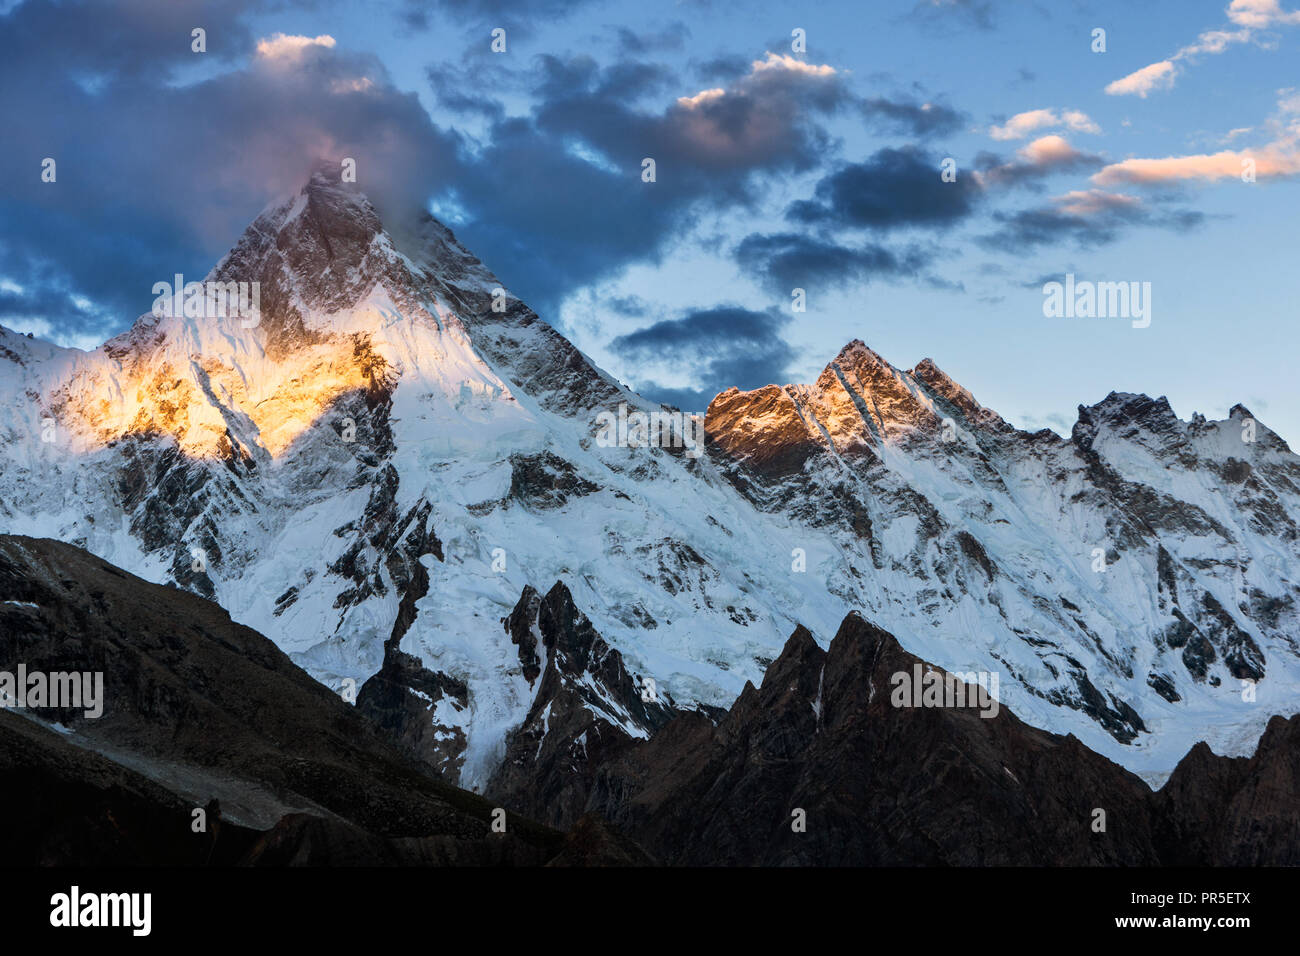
column 1034, row 161
column 765, row 116
column 785, row 261
column 700, row 98
column 1049, row 151
column 1259, row 14
column 909, row 116
column 671, row 37
column 784, row 61
column 1249, row 16
column 1022, row 124
column 253, row 130
column 1094, row 202
column 1085, row 218
column 718, row 347
column 282, row 47
column 1276, row 159
column 583, row 143
column 513, row 15
column 756, row 116
column 892, row 188
column 1226, row 164
column 1157, row 76
column 53, row 313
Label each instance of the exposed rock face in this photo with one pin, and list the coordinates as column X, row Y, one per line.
column 546, row 481
column 763, row 428
column 587, row 709
column 405, row 699
column 1235, row 811
column 831, row 763
column 877, row 784
column 200, row 712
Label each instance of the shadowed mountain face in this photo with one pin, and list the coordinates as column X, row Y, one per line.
column 399, row 453
column 201, row 712
column 830, row 763
column 587, row 710
column 875, row 783
column 1235, row 811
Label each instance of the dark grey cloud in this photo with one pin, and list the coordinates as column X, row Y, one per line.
column 550, row 221
column 632, row 306
column 892, row 188
column 558, row 194
column 920, row 119
column 721, row 347
column 786, row 261
column 117, row 40
column 639, row 43
column 724, row 69
column 447, row 82
column 48, row 304
column 1058, row 223
column 558, row 79
column 553, row 199
column 508, row 14
column 1030, row 166
column 768, row 119
column 1046, row 277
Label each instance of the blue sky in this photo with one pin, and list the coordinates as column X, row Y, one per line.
column 776, row 168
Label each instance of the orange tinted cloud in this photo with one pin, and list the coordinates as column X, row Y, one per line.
column 1141, row 82
column 1271, row 161
column 1022, row 124
column 284, row 47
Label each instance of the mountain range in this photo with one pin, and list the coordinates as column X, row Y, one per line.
column 395, row 475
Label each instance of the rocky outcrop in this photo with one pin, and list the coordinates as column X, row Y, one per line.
column 820, row 766
column 587, row 709
column 836, row 761
column 1235, row 811
column 762, row 429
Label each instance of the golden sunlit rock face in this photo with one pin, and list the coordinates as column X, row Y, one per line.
column 329, row 284
column 858, row 404
column 201, row 402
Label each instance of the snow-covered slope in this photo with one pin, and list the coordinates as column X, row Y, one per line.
column 385, row 455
